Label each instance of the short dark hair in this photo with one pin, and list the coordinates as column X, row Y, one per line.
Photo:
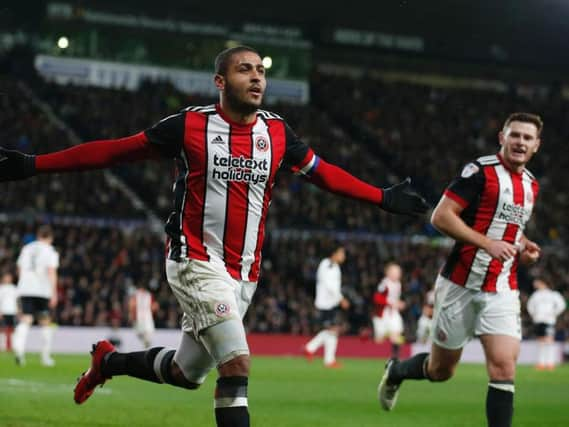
column 334, row 247
column 525, row 118
column 222, row 59
column 45, row 231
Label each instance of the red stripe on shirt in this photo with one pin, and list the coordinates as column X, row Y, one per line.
column 277, row 138
column 482, row 221
column 518, row 199
column 496, row 266
column 195, row 148
column 237, row 205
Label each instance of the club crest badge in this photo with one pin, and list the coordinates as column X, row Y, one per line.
column 222, row 309
column 261, row 143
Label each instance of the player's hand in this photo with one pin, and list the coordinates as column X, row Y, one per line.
column 400, row 305
column 401, row 199
column 501, row 250
column 15, row 165
column 530, row 252
column 344, row 304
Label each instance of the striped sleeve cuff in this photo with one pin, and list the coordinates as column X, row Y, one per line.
column 308, row 165
column 451, row 195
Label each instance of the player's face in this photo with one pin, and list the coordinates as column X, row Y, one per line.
column 519, row 141
column 340, row 256
column 393, row 273
column 244, row 83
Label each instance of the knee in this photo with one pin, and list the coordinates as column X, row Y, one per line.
column 440, row 373
column 26, row 319
column 502, row 370
column 180, row 379
column 236, row 367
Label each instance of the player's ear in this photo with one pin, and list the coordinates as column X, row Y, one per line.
column 537, row 145
column 501, row 137
column 219, row 81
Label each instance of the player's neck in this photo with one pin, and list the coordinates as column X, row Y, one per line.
column 234, row 116
column 517, row 169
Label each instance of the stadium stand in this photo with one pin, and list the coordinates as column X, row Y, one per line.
column 427, row 132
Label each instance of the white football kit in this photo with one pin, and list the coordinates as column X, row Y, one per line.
column 328, row 285
column 544, row 305
column 8, row 299
column 34, row 261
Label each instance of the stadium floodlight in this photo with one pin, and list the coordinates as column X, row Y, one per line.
column 267, row 62
column 63, row 42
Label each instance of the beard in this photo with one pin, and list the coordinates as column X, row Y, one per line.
column 237, row 104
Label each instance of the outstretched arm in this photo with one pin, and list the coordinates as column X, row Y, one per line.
column 398, row 199
column 302, row 160
column 164, row 139
column 97, row 155
column 101, row 154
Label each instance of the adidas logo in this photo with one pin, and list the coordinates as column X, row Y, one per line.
column 218, row 140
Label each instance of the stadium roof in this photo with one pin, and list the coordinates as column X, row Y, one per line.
column 509, row 31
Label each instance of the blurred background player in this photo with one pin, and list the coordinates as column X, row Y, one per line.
column 8, row 309
column 328, row 301
column 387, row 321
column 141, row 309
column 544, row 305
column 37, row 290
column 424, row 325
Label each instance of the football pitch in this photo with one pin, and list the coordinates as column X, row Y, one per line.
column 283, row 392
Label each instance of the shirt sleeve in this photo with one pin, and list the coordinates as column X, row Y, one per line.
column 299, row 157
column 531, row 305
column 561, row 305
column 168, row 135
column 320, row 272
column 54, row 259
column 466, row 187
column 20, row 260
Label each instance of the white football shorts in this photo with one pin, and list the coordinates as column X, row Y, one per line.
column 461, row 314
column 145, row 327
column 207, row 293
column 390, row 323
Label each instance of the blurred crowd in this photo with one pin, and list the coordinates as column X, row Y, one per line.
column 379, row 131
column 25, row 127
column 431, row 132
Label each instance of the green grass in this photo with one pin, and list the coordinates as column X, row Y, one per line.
column 283, row 392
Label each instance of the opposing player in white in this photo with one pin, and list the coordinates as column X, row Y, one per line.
column 544, row 305
column 37, row 290
column 8, row 309
column 387, row 321
column 425, row 323
column 141, row 311
column 329, row 300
